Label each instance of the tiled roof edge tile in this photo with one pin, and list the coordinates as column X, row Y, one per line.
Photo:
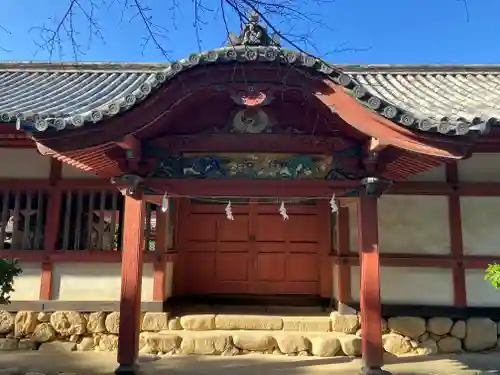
column 159, row 74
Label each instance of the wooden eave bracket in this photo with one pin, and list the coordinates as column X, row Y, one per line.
column 129, row 184
column 371, row 158
column 133, row 150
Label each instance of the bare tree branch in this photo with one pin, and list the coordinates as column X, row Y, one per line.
column 283, row 17
column 4, row 31
column 466, row 8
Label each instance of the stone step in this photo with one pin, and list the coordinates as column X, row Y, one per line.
column 234, row 342
column 311, row 323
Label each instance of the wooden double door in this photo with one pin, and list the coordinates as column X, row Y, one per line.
column 256, row 253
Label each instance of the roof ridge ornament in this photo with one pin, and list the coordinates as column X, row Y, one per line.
column 253, row 33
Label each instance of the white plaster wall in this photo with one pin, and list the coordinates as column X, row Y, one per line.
column 23, row 163
column 480, row 168
column 437, row 174
column 413, row 224
column 70, row 172
column 94, row 282
column 353, row 227
column 27, row 285
column 410, row 285
column 480, row 225
column 480, row 293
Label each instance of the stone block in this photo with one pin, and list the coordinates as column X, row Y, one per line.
column 459, row 329
column 428, row 347
column 161, row 343
column 248, row 322
column 254, row 341
column 207, row 344
column 323, row 346
column 449, row 344
column 439, row 325
column 43, row 333
column 201, row 322
column 306, row 323
column 6, row 322
column 96, row 322
column 423, row 337
column 43, row 317
column 25, row 323
column 351, row 345
column 112, row 323
column 481, row 334
column 154, row 322
column 409, row 326
column 344, row 323
column 108, row 343
column 396, row 344
column 175, row 324
column 292, row 343
column 67, row 323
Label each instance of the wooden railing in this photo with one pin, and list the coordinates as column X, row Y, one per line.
column 22, row 218
column 90, row 220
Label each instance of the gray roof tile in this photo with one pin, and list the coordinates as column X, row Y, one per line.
column 452, row 100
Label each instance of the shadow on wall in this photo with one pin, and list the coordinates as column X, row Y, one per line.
column 99, row 363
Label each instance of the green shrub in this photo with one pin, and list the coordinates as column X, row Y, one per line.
column 493, row 275
column 8, row 270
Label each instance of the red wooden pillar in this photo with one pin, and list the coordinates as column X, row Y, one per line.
column 130, row 302
column 51, row 230
column 371, row 311
column 456, row 239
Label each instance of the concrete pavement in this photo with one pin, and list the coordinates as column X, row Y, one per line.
column 100, row 363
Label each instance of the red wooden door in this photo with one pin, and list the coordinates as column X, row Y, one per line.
column 286, row 252
column 256, row 253
column 215, row 251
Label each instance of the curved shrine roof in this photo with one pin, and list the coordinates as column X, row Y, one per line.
column 450, row 100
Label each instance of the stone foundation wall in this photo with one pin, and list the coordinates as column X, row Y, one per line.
column 325, row 336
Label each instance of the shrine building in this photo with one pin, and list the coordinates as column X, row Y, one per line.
column 252, row 190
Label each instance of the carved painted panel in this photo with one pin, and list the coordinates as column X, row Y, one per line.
column 254, row 166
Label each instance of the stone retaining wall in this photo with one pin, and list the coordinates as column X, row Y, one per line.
column 224, row 334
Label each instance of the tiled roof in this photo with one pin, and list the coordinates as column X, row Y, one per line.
column 452, row 100
column 436, row 92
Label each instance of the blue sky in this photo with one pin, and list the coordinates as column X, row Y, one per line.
column 357, row 31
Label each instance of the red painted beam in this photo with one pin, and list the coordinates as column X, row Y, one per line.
column 288, row 188
column 262, row 188
column 83, row 256
column 86, row 184
column 420, row 188
column 419, row 260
